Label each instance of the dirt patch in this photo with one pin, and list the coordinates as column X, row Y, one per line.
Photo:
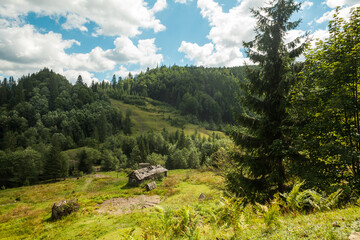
column 127, row 205
column 97, row 175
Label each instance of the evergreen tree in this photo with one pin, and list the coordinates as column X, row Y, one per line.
column 85, row 162
column 113, row 81
column 127, row 123
column 259, row 171
column 56, row 163
column 102, row 127
column 79, row 80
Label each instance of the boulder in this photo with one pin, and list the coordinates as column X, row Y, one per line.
column 64, row 208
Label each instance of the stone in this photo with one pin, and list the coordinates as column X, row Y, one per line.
column 202, row 196
column 151, row 186
column 354, row 236
column 64, row 208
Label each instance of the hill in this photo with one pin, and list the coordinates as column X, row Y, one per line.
column 25, row 213
column 156, row 115
column 58, row 129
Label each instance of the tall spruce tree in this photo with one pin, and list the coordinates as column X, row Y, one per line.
column 259, row 169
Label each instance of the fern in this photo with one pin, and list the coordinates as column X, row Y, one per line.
column 309, row 199
column 269, row 213
column 333, row 199
column 291, row 198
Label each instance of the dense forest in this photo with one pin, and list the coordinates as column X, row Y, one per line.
column 43, row 115
column 204, row 94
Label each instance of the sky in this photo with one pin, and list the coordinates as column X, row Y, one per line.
column 99, row 38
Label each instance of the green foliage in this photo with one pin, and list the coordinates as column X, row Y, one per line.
column 259, row 171
column 204, row 93
column 310, row 200
column 56, row 163
column 269, row 214
column 229, row 211
column 166, row 219
column 326, row 107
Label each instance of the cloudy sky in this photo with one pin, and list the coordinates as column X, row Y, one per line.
column 99, row 38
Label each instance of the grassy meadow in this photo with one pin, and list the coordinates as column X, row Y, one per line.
column 25, row 212
column 155, row 115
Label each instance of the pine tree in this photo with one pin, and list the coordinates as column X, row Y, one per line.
column 56, row 163
column 127, row 123
column 259, row 169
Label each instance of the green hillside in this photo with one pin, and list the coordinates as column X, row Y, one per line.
column 155, row 115
column 25, row 212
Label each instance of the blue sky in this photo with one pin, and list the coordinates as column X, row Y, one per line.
column 100, row 38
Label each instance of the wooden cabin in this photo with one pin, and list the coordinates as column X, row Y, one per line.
column 146, row 173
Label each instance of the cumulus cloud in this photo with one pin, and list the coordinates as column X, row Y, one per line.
column 74, row 21
column 23, row 49
column 210, row 56
column 336, row 3
column 306, row 5
column 344, row 13
column 124, row 72
column 112, row 17
column 72, row 76
column 183, row 1
column 145, row 53
column 159, row 6
column 228, row 31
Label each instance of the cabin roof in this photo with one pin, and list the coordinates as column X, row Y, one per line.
column 145, row 172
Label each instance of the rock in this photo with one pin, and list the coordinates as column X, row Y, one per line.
column 354, row 236
column 64, row 208
column 202, row 196
column 151, row 186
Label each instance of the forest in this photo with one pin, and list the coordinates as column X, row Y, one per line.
column 43, row 116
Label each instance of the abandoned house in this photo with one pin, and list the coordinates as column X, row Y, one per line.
column 146, row 173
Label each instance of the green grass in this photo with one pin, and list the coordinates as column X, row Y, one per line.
column 30, row 216
column 156, row 117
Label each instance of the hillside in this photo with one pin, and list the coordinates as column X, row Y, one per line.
column 155, row 115
column 25, row 213
column 58, row 129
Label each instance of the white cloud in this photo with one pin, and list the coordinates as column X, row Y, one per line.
column 74, row 21
column 114, row 18
column 210, row 56
column 183, row 1
column 23, row 49
column 72, row 76
column 306, row 5
column 145, row 53
column 159, row 6
column 124, row 72
column 320, row 34
column 344, row 13
column 228, row 31
column 336, row 3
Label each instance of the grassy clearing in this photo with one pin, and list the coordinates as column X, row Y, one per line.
column 25, row 212
column 157, row 117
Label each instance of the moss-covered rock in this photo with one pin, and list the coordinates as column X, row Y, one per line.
column 64, row 208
